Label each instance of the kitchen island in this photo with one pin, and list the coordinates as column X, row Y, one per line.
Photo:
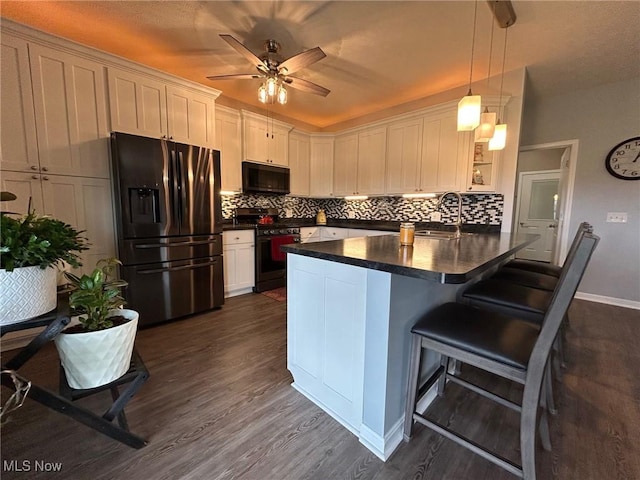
column 351, row 305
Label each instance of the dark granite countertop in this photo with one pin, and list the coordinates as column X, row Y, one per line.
column 443, row 261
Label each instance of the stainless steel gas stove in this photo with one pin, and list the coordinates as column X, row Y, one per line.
column 271, row 263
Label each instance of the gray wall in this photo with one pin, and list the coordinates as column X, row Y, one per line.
column 599, row 118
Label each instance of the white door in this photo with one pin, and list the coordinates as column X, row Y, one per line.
column 538, row 212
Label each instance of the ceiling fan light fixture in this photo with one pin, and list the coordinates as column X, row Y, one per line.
column 282, row 95
column 271, row 86
column 499, row 139
column 487, row 126
column 262, row 93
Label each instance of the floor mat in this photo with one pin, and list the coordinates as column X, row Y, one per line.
column 279, row 294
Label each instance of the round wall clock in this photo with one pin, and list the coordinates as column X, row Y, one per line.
column 623, row 161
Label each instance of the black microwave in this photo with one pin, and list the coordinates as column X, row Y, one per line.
column 260, row 178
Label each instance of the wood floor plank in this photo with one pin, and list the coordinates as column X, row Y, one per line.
column 219, row 405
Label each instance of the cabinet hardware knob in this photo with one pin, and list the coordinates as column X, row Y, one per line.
column 45, row 169
column 45, row 178
column 33, row 167
column 170, row 138
column 35, row 177
column 236, row 238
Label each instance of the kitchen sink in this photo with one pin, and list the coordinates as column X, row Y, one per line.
column 439, row 234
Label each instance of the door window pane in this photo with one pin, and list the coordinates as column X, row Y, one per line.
column 544, row 197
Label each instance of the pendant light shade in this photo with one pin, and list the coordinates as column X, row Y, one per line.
column 499, row 139
column 487, row 126
column 469, row 112
column 470, row 106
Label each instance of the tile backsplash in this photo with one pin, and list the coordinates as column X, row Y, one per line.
column 477, row 209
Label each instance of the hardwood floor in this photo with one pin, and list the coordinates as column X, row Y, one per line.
column 219, row 405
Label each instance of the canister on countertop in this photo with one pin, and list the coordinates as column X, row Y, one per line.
column 407, row 230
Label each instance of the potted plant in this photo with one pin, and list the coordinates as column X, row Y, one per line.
column 96, row 349
column 30, row 248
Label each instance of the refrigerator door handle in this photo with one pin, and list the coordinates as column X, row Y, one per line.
column 182, row 189
column 175, row 244
column 174, row 178
column 174, row 269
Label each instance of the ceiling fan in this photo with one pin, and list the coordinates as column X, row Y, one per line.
column 276, row 70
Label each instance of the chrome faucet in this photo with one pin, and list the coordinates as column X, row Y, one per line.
column 459, row 221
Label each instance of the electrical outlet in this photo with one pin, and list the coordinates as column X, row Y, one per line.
column 436, row 216
column 617, row 217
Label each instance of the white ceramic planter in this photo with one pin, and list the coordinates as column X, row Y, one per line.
column 25, row 293
column 96, row 358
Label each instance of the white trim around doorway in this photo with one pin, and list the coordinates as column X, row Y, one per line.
column 572, row 145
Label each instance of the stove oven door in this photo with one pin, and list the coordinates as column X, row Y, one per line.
column 270, row 272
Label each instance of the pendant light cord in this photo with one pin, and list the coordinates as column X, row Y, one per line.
column 504, row 56
column 473, row 43
column 490, row 52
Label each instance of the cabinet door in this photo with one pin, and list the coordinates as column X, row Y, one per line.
column 229, row 142
column 372, row 150
column 321, row 167
column 18, row 141
column 333, row 233
column 138, row 104
column 443, row 163
column 299, row 152
column 404, row 146
column 256, row 142
column 278, row 153
column 345, row 165
column 25, row 186
column 86, row 204
column 190, row 117
column 71, row 116
column 239, row 268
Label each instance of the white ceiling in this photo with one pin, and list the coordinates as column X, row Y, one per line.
column 379, row 54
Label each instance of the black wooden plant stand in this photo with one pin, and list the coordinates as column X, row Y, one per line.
column 55, row 322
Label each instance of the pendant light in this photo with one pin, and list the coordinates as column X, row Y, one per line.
column 487, row 126
column 470, row 105
column 499, row 139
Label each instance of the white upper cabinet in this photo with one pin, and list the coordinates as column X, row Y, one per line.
column 372, row 149
column 191, row 116
column 145, row 106
column 229, row 142
column 18, row 141
column 299, row 158
column 321, row 167
column 444, row 154
column 345, row 165
column 265, row 140
column 71, row 116
column 404, row 147
column 138, row 104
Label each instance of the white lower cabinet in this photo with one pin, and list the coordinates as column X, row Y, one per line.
column 333, row 233
column 239, row 261
column 358, row 232
column 310, row 234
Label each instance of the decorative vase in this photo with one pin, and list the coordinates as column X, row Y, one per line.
column 26, row 292
column 92, row 359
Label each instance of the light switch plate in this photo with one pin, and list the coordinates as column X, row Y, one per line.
column 617, row 217
column 436, row 216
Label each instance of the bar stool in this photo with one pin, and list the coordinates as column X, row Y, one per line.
column 542, row 268
column 504, row 345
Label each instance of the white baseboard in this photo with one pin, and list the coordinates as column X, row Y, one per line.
column 235, row 293
column 619, row 302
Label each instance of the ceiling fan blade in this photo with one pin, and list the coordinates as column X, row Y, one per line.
column 244, row 51
column 301, row 60
column 240, row 76
column 307, row 86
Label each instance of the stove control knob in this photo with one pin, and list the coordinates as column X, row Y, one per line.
column 272, row 232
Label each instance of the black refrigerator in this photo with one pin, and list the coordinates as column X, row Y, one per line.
column 169, row 228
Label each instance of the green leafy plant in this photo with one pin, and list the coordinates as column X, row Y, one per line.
column 38, row 241
column 94, row 295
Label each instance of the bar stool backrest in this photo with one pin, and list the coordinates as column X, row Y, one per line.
column 583, row 228
column 570, row 278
